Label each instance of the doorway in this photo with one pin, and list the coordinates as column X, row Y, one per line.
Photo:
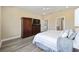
column 60, row 23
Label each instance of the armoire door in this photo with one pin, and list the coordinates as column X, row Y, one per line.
column 35, row 29
column 26, row 27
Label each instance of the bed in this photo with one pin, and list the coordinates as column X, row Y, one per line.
column 47, row 40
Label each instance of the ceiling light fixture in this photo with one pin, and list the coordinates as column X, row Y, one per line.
column 47, row 8
column 67, row 6
column 43, row 8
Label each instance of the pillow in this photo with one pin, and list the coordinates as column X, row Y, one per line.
column 71, row 32
column 72, row 36
column 76, row 41
column 65, row 34
column 77, row 36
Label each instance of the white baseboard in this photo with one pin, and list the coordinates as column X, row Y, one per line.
column 11, row 38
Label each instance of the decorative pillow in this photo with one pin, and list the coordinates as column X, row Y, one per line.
column 77, row 36
column 76, row 41
column 72, row 36
column 71, row 32
column 65, row 34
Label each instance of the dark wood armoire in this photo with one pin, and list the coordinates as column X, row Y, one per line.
column 29, row 26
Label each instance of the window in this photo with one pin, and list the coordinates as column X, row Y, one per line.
column 76, row 17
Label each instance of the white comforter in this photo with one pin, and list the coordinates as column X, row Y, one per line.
column 48, row 38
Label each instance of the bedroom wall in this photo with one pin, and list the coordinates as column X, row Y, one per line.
column 0, row 26
column 69, row 18
column 11, row 24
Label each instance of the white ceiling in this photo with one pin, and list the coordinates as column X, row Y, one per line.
column 41, row 10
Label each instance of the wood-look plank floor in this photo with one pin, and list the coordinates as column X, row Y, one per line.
column 20, row 45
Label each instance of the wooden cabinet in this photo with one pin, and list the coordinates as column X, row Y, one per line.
column 29, row 27
column 26, row 27
column 35, row 29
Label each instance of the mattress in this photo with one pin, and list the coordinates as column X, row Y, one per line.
column 48, row 39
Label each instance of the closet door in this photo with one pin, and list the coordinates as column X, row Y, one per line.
column 26, row 27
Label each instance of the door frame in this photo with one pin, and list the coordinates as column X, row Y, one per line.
column 63, row 22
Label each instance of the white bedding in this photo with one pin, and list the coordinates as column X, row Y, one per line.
column 48, row 38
